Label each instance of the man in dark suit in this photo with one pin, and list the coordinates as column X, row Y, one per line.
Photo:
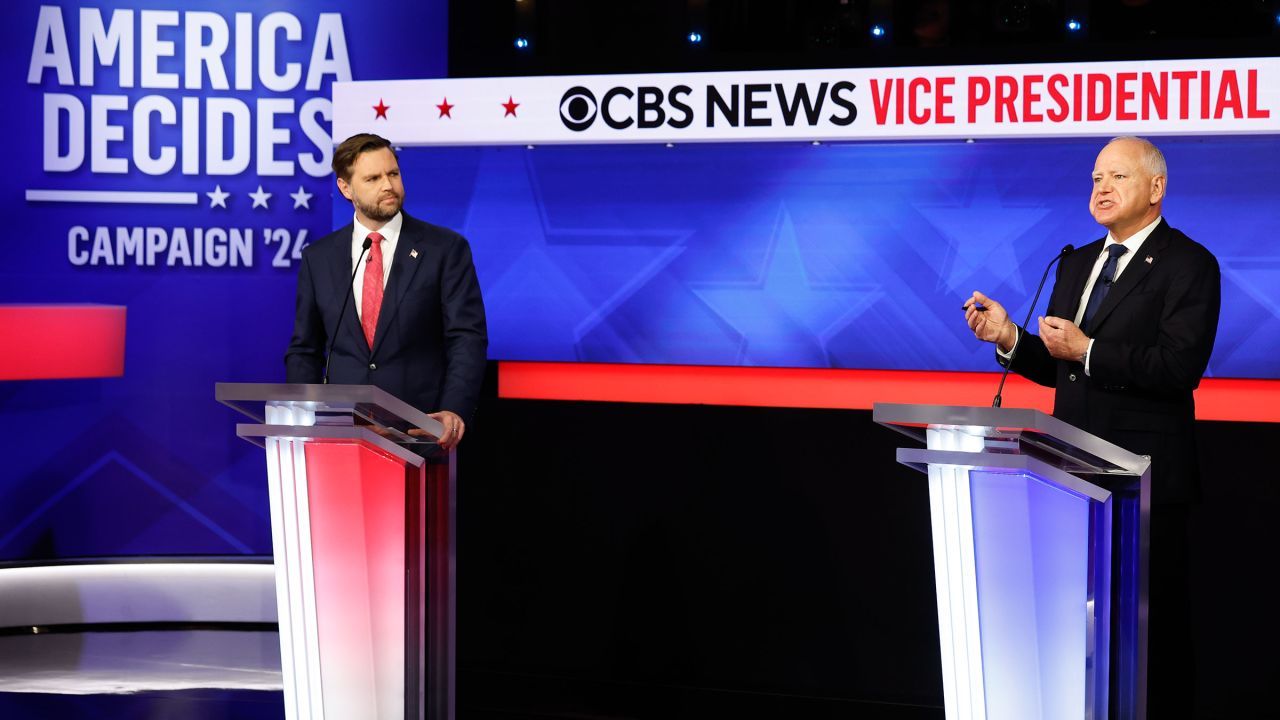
column 1127, row 336
column 415, row 323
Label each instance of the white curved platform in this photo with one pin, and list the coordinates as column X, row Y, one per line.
column 126, row 627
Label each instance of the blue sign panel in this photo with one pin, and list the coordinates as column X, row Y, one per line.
column 171, row 157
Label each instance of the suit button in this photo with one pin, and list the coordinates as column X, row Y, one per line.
column 1072, row 377
column 374, row 366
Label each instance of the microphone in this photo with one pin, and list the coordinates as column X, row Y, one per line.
column 1013, row 352
column 351, row 286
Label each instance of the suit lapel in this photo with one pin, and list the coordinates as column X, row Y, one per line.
column 403, row 267
column 1133, row 274
column 1080, row 273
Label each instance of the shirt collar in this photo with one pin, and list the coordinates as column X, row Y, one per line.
column 1135, row 241
column 389, row 232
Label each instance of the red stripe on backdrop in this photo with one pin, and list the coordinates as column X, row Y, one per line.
column 1217, row 399
column 45, row 342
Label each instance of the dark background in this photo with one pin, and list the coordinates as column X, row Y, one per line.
column 654, row 561
column 650, row 561
column 569, row 37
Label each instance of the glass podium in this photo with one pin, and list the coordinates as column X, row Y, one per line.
column 1040, row 561
column 362, row 530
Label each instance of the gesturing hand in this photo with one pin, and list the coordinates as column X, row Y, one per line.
column 991, row 324
column 1063, row 339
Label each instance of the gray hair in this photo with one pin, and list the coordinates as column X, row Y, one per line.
column 1152, row 159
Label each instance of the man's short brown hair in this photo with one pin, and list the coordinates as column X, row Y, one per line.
column 344, row 156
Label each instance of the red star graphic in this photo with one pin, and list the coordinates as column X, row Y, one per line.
column 381, row 109
column 510, row 106
column 445, row 107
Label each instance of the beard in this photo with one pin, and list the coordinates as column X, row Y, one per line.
column 377, row 212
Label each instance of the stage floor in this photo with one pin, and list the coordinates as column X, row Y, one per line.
column 190, row 674
column 209, row 674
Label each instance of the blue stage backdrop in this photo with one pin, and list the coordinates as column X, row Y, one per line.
column 223, row 107
column 781, row 254
column 801, row 255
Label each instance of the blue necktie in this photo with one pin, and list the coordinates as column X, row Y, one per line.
column 1102, row 285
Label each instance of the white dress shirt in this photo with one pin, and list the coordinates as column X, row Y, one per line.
column 390, row 235
column 1133, row 243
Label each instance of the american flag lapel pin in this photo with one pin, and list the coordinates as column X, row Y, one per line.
column 414, row 254
column 1150, row 259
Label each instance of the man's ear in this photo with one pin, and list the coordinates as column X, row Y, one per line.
column 344, row 188
column 1157, row 189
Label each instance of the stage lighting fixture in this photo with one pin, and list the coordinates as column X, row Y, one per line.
column 1073, row 25
column 695, row 38
column 877, row 31
column 522, row 43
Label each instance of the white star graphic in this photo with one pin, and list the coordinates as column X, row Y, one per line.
column 259, row 198
column 302, row 198
column 218, row 198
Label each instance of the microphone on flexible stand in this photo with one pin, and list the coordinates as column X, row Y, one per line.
column 324, row 379
column 1013, row 352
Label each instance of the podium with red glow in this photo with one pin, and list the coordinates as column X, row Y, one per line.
column 362, row 526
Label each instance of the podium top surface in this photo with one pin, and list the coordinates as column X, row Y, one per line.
column 1073, row 449
column 368, row 404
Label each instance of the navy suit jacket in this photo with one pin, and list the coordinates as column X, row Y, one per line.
column 430, row 345
column 1153, row 335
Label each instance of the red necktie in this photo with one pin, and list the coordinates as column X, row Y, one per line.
column 371, row 291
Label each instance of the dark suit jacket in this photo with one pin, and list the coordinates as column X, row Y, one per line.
column 430, row 344
column 1153, row 337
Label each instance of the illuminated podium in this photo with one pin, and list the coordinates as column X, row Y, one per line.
column 1040, row 561
column 363, row 536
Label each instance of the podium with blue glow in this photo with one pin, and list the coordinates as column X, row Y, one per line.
column 362, row 529
column 1040, row 560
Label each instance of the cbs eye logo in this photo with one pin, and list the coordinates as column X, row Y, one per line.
column 578, row 108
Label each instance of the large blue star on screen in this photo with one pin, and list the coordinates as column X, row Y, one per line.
column 550, row 281
column 784, row 317
column 1248, row 336
column 1248, row 268
column 981, row 240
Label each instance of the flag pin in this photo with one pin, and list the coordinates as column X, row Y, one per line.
column 1149, row 259
column 414, row 254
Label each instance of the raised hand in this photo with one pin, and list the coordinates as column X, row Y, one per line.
column 989, row 321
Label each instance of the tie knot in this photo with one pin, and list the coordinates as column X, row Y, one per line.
column 1117, row 250
column 376, row 237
